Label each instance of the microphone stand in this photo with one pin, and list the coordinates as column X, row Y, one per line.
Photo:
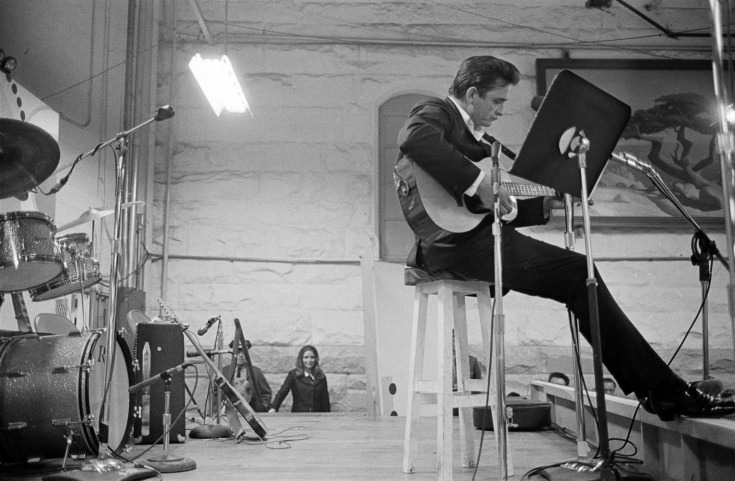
column 215, row 430
column 603, row 469
column 166, row 463
column 704, row 249
column 121, row 141
column 499, row 324
column 583, row 448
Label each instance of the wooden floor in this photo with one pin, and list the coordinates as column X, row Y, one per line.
column 341, row 447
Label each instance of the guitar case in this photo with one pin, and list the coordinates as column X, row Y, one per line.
column 528, row 415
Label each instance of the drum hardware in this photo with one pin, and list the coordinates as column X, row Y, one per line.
column 28, row 154
column 88, row 420
column 15, row 426
column 69, row 438
column 21, row 313
column 66, row 369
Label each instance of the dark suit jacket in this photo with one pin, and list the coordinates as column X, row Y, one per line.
column 309, row 395
column 436, row 137
column 259, row 382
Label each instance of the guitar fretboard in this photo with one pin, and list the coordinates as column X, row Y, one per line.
column 528, row 190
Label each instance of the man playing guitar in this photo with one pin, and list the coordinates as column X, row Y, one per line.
column 444, row 139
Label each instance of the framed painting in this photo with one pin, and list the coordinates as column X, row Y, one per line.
column 673, row 127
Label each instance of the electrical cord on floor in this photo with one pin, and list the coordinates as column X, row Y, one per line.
column 275, row 440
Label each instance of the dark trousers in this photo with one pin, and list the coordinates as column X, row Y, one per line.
column 539, row 269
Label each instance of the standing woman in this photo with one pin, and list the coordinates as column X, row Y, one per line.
column 307, row 383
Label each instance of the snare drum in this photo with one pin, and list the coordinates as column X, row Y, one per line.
column 52, row 388
column 80, row 269
column 29, row 256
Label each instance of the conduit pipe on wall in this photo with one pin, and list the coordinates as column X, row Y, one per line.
column 169, row 149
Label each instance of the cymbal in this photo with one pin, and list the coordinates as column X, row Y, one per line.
column 87, row 216
column 28, row 156
column 94, row 213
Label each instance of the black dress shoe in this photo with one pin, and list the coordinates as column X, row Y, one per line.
column 691, row 402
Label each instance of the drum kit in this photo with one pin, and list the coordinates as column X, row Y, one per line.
column 51, row 384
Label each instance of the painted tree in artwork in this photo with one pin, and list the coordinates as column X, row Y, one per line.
column 679, row 117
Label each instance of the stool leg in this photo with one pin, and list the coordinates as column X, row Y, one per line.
column 462, row 362
column 415, row 369
column 444, row 434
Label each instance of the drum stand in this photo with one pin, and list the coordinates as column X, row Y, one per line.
column 21, row 313
column 78, row 265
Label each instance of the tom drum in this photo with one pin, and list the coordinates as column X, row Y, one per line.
column 29, row 255
column 80, row 269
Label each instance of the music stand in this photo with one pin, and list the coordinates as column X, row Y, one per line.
column 570, row 141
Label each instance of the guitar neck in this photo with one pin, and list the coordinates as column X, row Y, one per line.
column 528, row 190
column 240, row 338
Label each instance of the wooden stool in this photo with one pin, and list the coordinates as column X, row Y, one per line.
column 438, row 393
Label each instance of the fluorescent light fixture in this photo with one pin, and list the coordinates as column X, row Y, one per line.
column 218, row 81
column 729, row 115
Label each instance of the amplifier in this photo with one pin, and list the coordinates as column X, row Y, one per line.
column 160, row 346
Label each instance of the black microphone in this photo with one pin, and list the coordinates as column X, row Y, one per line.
column 57, row 187
column 631, row 161
column 163, row 375
column 505, row 150
column 209, row 324
column 536, row 102
column 163, row 113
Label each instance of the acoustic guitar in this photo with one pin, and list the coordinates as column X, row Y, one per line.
column 432, row 212
column 232, row 395
column 257, row 401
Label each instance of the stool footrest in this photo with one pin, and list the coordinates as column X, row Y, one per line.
column 429, row 399
column 432, row 386
column 475, row 385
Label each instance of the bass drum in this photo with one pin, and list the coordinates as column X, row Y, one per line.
column 51, row 387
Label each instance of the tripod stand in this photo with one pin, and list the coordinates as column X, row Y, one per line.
column 215, row 430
